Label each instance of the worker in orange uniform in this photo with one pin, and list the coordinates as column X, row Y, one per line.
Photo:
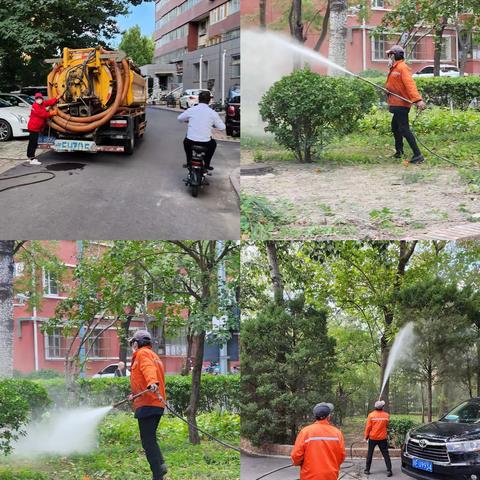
column 400, row 82
column 147, row 372
column 320, row 447
column 376, row 434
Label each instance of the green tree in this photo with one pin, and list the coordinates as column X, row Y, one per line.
column 138, row 47
column 287, row 364
column 306, row 111
column 31, row 31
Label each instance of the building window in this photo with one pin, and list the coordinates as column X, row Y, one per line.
column 378, row 3
column 97, row 345
column 446, row 54
column 234, row 6
column 176, row 347
column 196, row 72
column 180, row 32
column 379, row 47
column 55, row 344
column 235, row 66
column 19, row 268
column 50, row 283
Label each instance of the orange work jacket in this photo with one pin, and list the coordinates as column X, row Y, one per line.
column 401, row 82
column 377, row 423
column 146, row 369
column 320, row 450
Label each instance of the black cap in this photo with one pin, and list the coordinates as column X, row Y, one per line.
column 322, row 410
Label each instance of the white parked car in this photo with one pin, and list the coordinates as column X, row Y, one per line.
column 109, row 371
column 445, row 71
column 13, row 121
column 190, row 98
column 18, row 99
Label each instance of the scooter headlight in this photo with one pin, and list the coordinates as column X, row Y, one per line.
column 462, row 447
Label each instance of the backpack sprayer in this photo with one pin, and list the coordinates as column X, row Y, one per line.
column 173, row 412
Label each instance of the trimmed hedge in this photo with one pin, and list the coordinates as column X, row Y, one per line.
column 217, row 392
column 398, row 429
column 457, row 92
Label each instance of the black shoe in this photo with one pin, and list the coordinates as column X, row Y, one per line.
column 366, row 472
column 163, row 471
column 209, row 168
column 185, row 165
column 417, row 159
column 389, row 473
column 398, row 155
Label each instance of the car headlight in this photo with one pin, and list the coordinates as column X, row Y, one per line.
column 460, row 447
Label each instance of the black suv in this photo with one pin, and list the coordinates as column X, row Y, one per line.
column 448, row 449
column 232, row 112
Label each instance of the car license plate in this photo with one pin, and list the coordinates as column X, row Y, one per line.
column 422, row 465
column 74, row 146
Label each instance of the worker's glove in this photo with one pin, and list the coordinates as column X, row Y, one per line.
column 53, row 112
column 153, row 387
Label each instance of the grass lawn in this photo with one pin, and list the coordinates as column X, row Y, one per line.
column 119, row 455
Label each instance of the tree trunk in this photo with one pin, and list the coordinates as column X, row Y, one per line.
column 262, row 13
column 188, row 361
column 192, row 409
column 122, row 354
column 275, row 275
column 384, row 354
column 423, row 403
column 337, row 52
column 478, row 367
column 323, row 33
column 429, row 392
column 437, row 56
column 6, row 307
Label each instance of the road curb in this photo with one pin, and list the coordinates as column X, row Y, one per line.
column 235, row 182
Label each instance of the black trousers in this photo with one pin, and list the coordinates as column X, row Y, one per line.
column 148, row 434
column 401, row 130
column 211, row 147
column 32, row 144
column 383, row 445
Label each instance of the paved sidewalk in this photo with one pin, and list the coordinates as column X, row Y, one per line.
column 13, row 153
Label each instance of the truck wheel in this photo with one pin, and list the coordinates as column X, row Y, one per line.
column 5, row 131
column 129, row 146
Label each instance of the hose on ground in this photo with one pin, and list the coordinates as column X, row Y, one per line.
column 11, row 187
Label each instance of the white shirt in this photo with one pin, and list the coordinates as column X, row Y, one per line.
column 201, row 119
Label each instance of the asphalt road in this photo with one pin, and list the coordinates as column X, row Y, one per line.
column 116, row 196
column 254, row 467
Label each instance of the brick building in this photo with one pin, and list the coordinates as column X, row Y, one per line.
column 33, row 350
column 363, row 50
column 197, row 45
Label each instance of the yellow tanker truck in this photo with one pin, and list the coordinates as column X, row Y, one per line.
column 102, row 99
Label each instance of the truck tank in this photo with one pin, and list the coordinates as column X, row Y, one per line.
column 93, row 84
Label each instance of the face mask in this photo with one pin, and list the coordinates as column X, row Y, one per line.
column 39, row 101
column 391, row 61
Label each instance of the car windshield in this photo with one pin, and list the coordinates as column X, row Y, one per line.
column 467, row 412
column 27, row 98
column 3, row 103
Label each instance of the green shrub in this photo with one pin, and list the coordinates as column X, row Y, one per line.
column 40, row 374
column 217, row 392
column 10, row 474
column 306, row 111
column 20, row 400
column 398, row 429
